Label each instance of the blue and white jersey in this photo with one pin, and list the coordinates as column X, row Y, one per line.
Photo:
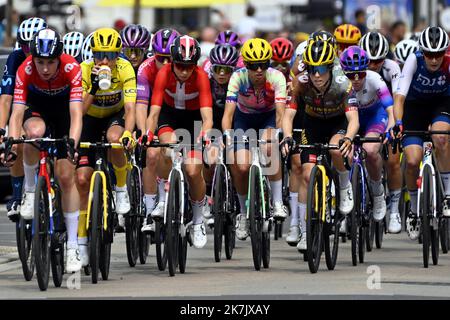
column 13, row 62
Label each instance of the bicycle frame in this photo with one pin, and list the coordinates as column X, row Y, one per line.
column 221, row 163
column 43, row 155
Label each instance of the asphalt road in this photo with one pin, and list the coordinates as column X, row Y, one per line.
column 393, row 272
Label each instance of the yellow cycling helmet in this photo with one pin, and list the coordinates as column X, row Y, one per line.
column 301, row 36
column 319, row 53
column 256, row 50
column 106, row 40
column 347, row 33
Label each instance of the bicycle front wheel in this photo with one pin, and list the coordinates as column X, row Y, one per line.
column 41, row 236
column 173, row 222
column 58, row 240
column 331, row 228
column 426, row 211
column 161, row 254
column 314, row 223
column 95, row 228
column 219, row 196
column 255, row 216
column 132, row 219
column 444, row 234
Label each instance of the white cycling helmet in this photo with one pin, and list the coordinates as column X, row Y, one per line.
column 73, row 43
column 301, row 48
column 433, row 39
column 86, row 52
column 375, row 45
column 28, row 28
column 404, row 48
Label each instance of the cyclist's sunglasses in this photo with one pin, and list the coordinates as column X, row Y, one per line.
column 100, row 55
column 255, row 66
column 217, row 68
column 184, row 67
column 138, row 52
column 276, row 64
column 25, row 48
column 163, row 58
column 312, row 70
column 356, row 75
column 434, row 55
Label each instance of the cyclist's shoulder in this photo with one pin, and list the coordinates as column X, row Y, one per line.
column 146, row 65
column 340, row 83
column 124, row 66
column 273, row 75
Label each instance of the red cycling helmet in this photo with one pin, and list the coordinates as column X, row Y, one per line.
column 282, row 48
column 185, row 50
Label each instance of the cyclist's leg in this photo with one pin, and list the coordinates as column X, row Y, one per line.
column 294, row 187
column 150, row 186
column 17, row 179
column 307, row 166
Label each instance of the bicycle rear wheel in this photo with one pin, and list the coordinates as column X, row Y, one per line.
column 255, row 216
column 444, row 234
column 144, row 243
column 41, row 236
column 95, row 227
column 132, row 219
column 331, row 227
column 379, row 232
column 24, row 247
column 161, row 254
column 370, row 234
column 218, row 210
column 106, row 240
column 314, row 223
column 173, row 222
column 182, row 256
column 265, row 249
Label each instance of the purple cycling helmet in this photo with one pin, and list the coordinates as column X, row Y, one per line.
column 224, row 54
column 354, row 58
column 135, row 36
column 229, row 37
column 163, row 40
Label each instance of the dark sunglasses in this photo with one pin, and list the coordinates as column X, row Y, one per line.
column 378, row 61
column 433, row 55
column 318, row 69
column 277, row 64
column 255, row 66
column 25, row 48
column 138, row 52
column 184, row 67
column 356, row 75
column 162, row 58
column 100, row 55
column 217, row 68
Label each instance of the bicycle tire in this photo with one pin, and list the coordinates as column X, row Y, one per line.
column 444, row 234
column 218, row 211
column 255, row 217
column 230, row 237
column 41, row 236
column 370, row 234
column 425, row 209
column 106, row 240
column 331, row 246
column 173, row 222
column 132, row 219
column 379, row 233
column 314, row 226
column 182, row 256
column 57, row 246
column 24, row 247
column 144, row 244
column 95, row 225
column 355, row 215
column 265, row 239
column 161, row 254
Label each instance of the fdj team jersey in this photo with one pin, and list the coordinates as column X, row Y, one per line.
column 335, row 101
column 418, row 83
column 122, row 90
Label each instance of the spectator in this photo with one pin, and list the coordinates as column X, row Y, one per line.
column 398, row 31
column 361, row 22
column 247, row 26
column 207, row 42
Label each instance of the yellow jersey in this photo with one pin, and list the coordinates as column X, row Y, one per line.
column 122, row 90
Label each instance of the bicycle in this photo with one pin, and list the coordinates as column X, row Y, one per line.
column 362, row 225
column 431, row 196
column 224, row 208
column 48, row 232
column 101, row 215
column 323, row 217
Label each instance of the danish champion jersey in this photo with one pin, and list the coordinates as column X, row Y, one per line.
column 67, row 81
column 417, row 83
column 193, row 94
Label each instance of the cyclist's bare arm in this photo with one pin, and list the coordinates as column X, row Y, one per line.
column 207, row 118
column 5, row 105
column 152, row 120
column 130, row 116
column 353, row 123
column 227, row 120
column 15, row 122
column 288, row 119
column 141, row 116
column 76, row 120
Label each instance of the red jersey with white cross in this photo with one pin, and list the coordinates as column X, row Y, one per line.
column 193, row 94
column 67, row 80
